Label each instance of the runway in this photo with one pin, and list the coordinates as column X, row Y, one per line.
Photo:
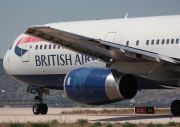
column 25, row 115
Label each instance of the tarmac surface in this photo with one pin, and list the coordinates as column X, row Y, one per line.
column 25, row 115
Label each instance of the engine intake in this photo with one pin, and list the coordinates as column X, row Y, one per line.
column 97, row 86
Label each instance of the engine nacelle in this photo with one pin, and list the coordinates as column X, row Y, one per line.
column 97, row 86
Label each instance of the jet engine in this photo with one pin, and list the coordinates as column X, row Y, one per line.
column 97, row 86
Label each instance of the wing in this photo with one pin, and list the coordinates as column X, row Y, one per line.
column 94, row 47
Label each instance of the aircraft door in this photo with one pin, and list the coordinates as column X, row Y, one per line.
column 110, row 36
column 25, row 49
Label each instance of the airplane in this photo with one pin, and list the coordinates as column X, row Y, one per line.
column 98, row 62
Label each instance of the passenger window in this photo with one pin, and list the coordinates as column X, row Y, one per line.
column 137, row 42
column 147, row 42
column 172, row 41
column 54, row 47
column 49, row 46
column 36, row 47
column 167, row 41
column 127, row 43
column 163, row 41
column 152, row 42
column 58, row 47
column 177, row 41
column 157, row 42
column 45, row 46
column 40, row 46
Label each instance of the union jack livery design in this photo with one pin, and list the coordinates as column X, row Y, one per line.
column 19, row 50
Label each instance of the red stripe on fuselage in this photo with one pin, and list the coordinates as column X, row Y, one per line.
column 28, row 39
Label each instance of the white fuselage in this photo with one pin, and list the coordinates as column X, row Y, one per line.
column 154, row 34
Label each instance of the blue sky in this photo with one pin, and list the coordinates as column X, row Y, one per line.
column 17, row 15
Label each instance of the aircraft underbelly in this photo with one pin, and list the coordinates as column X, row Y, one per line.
column 50, row 81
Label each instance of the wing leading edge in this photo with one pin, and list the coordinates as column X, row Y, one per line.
column 92, row 47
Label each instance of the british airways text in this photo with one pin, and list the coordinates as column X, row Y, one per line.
column 61, row 59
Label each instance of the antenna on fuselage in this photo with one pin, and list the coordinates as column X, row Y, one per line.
column 126, row 16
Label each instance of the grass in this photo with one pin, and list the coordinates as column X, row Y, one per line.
column 86, row 123
column 108, row 125
column 81, row 121
column 159, row 125
column 104, row 111
column 127, row 124
column 150, row 125
column 172, row 123
column 16, row 125
column 110, row 111
column 53, row 122
column 163, row 111
column 40, row 125
column 96, row 124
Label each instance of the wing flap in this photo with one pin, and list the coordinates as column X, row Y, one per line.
column 140, row 53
